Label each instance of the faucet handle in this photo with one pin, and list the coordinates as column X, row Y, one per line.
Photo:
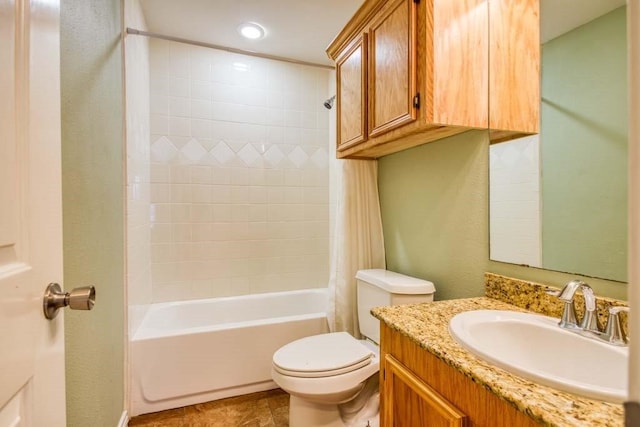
column 569, row 319
column 589, row 321
column 613, row 332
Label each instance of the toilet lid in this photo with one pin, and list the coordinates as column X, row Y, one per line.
column 322, row 356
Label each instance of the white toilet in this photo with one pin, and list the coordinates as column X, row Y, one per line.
column 333, row 378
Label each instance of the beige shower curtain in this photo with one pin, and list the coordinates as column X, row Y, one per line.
column 358, row 240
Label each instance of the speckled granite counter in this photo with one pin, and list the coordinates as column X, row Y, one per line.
column 428, row 326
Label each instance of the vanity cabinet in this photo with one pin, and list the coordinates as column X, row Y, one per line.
column 420, row 390
column 411, row 402
column 414, row 71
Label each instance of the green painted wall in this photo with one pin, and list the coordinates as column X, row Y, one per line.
column 93, row 220
column 584, row 149
column 435, row 209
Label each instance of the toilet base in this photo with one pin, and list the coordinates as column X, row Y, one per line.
column 303, row 413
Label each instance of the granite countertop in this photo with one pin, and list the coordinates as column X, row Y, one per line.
column 428, row 325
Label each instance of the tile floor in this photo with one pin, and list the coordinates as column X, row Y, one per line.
column 263, row 409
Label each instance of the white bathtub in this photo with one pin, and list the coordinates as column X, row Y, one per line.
column 190, row 352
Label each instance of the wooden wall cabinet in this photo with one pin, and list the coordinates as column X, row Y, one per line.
column 420, row 390
column 414, row 71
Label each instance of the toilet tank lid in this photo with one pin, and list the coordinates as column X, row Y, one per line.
column 396, row 283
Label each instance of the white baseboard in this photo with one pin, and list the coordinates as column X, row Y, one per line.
column 124, row 419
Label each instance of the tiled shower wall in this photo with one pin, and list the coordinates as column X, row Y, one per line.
column 239, row 174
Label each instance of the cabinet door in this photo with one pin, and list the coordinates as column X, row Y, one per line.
column 351, row 72
column 409, row 402
column 392, row 67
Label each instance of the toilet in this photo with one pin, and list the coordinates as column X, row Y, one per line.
column 332, row 378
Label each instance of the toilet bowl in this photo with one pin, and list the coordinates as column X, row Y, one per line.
column 333, row 378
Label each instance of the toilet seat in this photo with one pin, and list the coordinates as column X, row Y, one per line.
column 322, row 356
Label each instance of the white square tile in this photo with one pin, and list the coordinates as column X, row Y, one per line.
column 249, row 155
column 309, row 120
column 275, row 117
column 201, row 213
column 201, row 193
column 258, row 194
column 298, row 157
column 320, row 158
column 201, row 128
column 159, row 104
column 200, row 68
column 257, row 177
column 179, row 106
column 275, row 99
column 179, row 87
column 200, row 90
column 161, row 233
column 275, row 195
column 240, row 213
column 239, row 195
column 159, row 125
column 192, row 152
column 257, row 213
column 222, row 213
column 254, row 115
column 180, row 212
column 202, row 232
column 240, row 176
column 220, row 194
column 163, row 151
column 179, row 126
column 200, row 109
column 221, row 175
column 221, row 92
column 274, row 177
column 294, row 177
column 293, row 118
column 222, row 153
column 162, row 212
column 181, row 193
column 201, row 174
column 180, row 174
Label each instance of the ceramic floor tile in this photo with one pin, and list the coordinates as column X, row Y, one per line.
column 263, row 409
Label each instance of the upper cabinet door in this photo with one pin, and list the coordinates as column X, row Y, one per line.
column 351, row 72
column 392, row 67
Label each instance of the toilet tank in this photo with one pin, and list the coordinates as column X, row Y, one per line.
column 379, row 287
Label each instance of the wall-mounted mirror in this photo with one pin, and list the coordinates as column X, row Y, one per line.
column 558, row 200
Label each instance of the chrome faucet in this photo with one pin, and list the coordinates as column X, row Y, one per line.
column 612, row 333
column 569, row 319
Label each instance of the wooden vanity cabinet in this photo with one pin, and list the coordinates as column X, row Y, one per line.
column 414, row 71
column 420, row 390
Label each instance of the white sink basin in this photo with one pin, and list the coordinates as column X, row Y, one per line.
column 535, row 347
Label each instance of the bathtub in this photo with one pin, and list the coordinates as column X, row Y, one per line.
column 191, row 352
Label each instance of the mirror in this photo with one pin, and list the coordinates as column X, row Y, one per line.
column 558, row 200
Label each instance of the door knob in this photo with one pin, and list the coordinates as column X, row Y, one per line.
column 82, row 298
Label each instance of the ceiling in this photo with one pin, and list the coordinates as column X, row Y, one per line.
column 302, row 29
column 296, row 29
column 558, row 17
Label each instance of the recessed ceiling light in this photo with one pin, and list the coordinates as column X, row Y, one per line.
column 251, row 30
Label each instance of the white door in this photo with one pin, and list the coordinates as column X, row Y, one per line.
column 31, row 347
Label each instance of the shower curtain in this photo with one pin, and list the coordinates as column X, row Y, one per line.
column 358, row 239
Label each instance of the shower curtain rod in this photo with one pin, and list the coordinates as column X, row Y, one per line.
column 225, row 48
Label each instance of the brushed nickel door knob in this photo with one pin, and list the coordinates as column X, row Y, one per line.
column 83, row 298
